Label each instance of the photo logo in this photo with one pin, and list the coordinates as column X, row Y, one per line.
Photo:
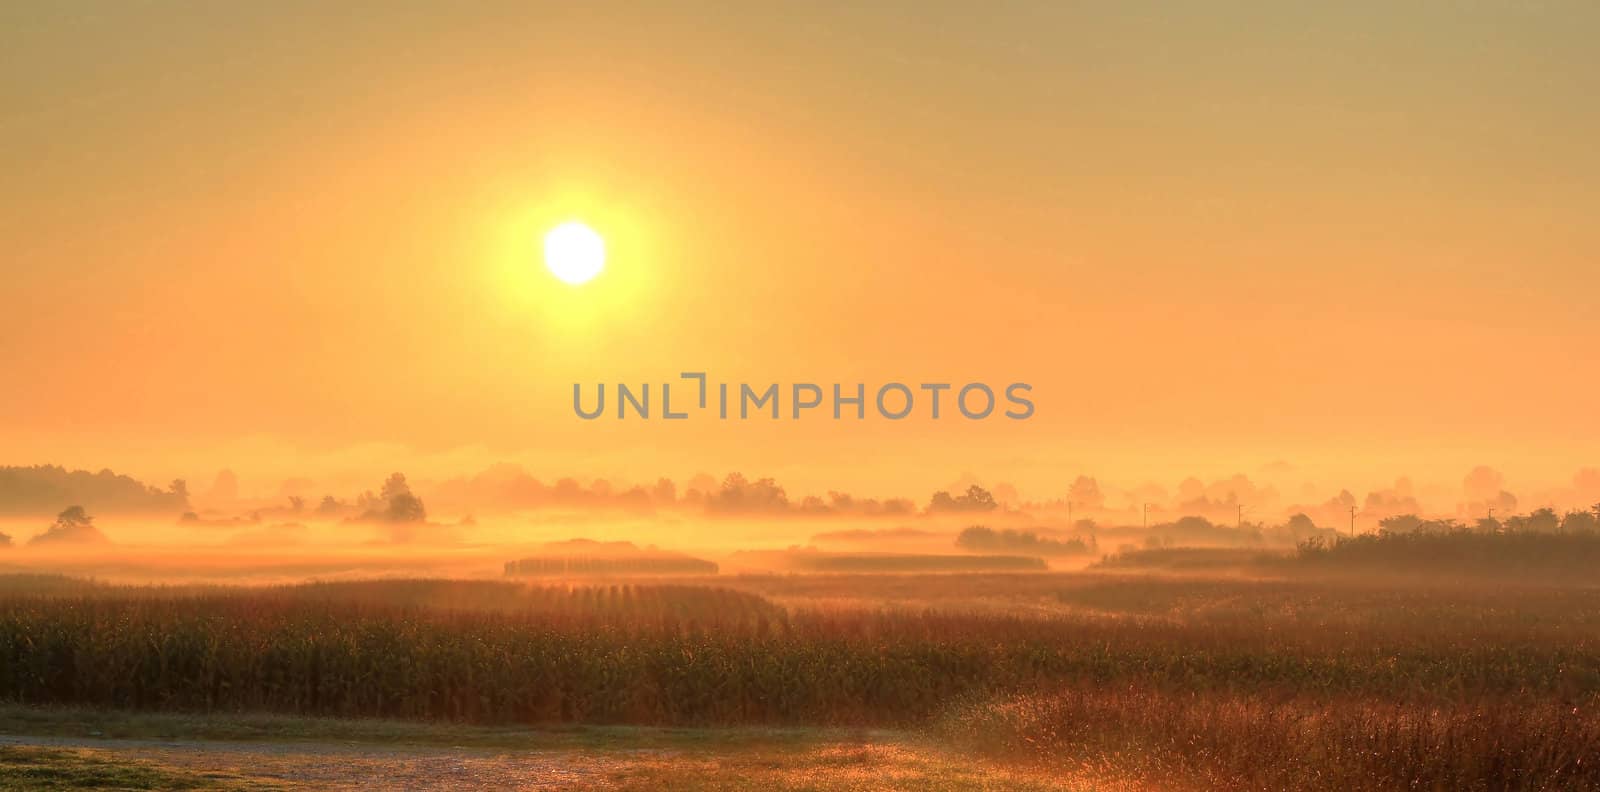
column 893, row 401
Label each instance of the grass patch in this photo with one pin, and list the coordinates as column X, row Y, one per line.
column 25, row 768
column 86, row 723
column 840, row 766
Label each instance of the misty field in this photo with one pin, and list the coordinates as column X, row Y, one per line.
column 1178, row 682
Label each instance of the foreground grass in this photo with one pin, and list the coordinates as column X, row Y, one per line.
column 840, row 767
column 30, row 769
column 95, row 724
column 1245, row 741
column 628, row 758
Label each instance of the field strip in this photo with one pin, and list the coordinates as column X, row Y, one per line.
column 298, row 765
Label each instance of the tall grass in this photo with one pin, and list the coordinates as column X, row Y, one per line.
column 1251, row 740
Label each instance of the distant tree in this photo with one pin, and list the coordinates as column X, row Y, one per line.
column 40, row 491
column 899, row 506
column 1085, row 494
column 1300, row 525
column 180, row 491
column 979, row 499
column 5, row 539
column 400, row 505
column 1412, row 524
column 74, row 516
column 74, row 525
column 739, row 494
column 976, row 498
column 1400, row 524
column 568, row 490
column 636, row 498
column 665, row 491
column 1544, row 521
column 329, row 505
column 1090, row 529
column 1579, row 522
column 987, row 540
column 297, row 503
column 395, row 486
column 1488, row 525
column 406, row 508
column 394, row 503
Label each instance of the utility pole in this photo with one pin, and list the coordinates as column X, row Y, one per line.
column 1069, row 514
column 1145, row 523
column 1352, row 522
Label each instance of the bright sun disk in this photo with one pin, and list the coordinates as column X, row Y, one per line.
column 574, row 252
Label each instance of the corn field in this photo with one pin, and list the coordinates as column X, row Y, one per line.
column 1231, row 684
column 679, row 654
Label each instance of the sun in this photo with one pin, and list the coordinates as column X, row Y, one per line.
column 574, row 252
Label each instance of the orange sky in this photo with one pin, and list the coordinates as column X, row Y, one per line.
column 302, row 238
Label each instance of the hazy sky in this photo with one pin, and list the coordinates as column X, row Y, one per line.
column 302, row 237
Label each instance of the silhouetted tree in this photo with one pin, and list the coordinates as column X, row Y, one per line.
column 1579, row 522
column 40, row 491
column 739, row 494
column 1399, row 523
column 1009, row 540
column 1537, row 521
column 1085, row 494
column 665, row 491
column 976, row 498
column 1544, row 521
column 1300, row 525
column 73, row 525
column 400, row 504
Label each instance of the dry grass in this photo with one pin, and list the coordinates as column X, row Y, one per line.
column 1239, row 740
